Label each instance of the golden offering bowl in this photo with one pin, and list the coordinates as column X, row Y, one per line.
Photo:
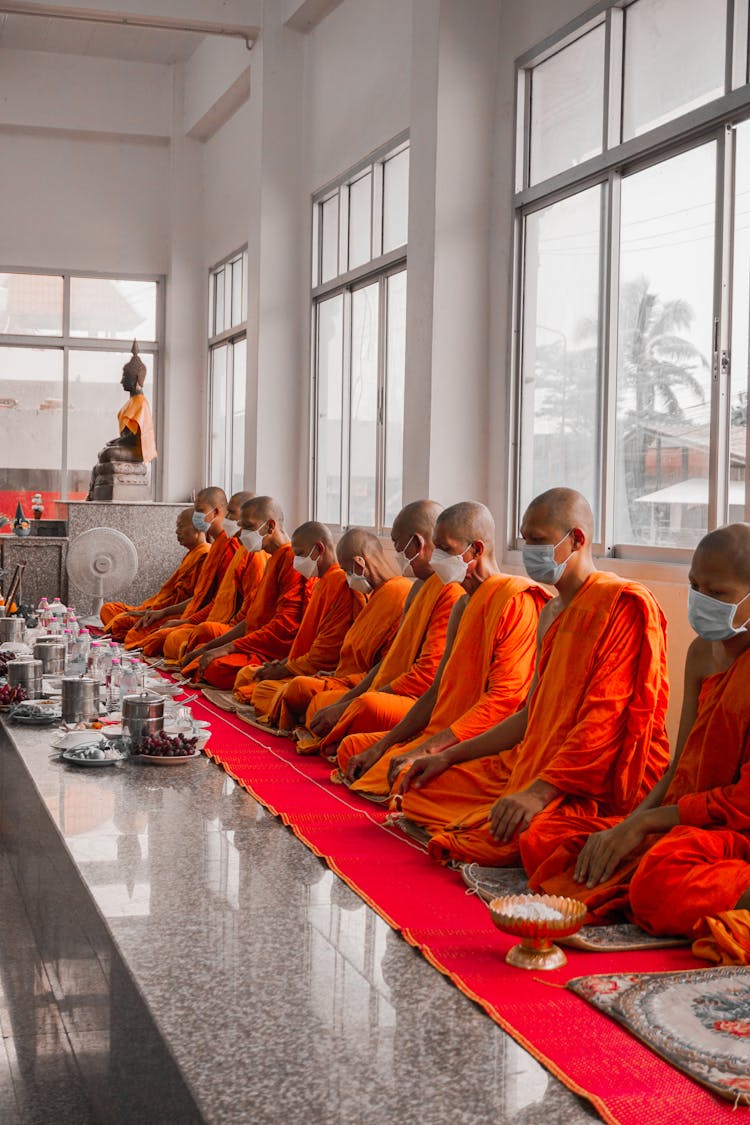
column 556, row 917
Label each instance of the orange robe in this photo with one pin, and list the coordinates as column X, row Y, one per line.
column 218, row 559
column 328, row 618
column 409, row 667
column 135, row 416
column 702, row 867
column 485, row 678
column 273, row 619
column 239, row 583
column 117, row 617
column 595, row 727
column 365, row 644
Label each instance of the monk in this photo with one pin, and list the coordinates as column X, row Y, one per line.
column 488, row 661
column 370, row 572
column 209, row 510
column 275, row 613
column 240, row 580
column 684, row 854
column 591, row 740
column 390, row 688
column 331, row 610
column 118, row 618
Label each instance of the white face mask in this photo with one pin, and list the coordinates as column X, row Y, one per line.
column 253, row 540
column 359, row 583
column 405, row 562
column 539, row 561
column 711, row 619
column 449, row 568
column 231, row 527
column 306, row 565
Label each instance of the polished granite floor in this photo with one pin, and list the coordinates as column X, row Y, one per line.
column 282, row 996
column 39, row 1080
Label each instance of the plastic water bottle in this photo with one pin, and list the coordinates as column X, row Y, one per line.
column 84, row 642
column 129, row 679
column 115, row 682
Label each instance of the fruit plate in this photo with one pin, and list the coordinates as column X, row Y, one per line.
column 161, row 760
column 74, row 760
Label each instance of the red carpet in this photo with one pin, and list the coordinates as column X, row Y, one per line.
column 429, row 905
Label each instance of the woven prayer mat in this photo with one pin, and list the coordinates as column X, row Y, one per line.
column 223, row 699
column 429, row 905
column 698, row 1021
column 619, row 937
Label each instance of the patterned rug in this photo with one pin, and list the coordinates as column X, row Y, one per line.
column 698, row 1021
column 621, row 937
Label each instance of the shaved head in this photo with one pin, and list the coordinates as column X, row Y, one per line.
column 358, row 543
column 262, row 508
column 417, row 518
column 308, row 534
column 185, row 516
column 468, row 522
column 212, row 498
column 732, row 545
column 239, row 498
column 562, row 509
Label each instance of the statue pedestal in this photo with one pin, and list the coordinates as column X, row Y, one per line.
column 121, row 480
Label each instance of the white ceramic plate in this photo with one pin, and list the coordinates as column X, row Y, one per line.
column 74, row 760
column 77, row 738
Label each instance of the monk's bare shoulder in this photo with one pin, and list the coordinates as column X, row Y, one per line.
column 704, row 658
column 550, row 613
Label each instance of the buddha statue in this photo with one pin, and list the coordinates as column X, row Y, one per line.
column 122, row 470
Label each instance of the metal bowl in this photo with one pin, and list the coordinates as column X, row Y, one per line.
column 557, row 917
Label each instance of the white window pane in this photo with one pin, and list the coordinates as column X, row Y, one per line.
column 95, row 395
column 363, row 406
column 31, row 304
column 674, row 60
column 395, row 378
column 329, row 214
column 567, row 106
column 219, row 322
column 31, row 426
column 360, row 221
column 396, row 201
column 330, row 318
column 237, row 313
column 740, row 330
column 238, row 414
column 665, row 337
column 218, row 442
column 113, row 310
column 560, row 362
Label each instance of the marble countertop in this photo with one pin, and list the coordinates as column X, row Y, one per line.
column 281, row 995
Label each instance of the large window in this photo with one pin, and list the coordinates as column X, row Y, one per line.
column 359, row 342
column 64, row 338
column 632, row 189
column 227, row 362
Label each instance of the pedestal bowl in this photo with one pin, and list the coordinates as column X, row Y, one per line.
column 538, row 920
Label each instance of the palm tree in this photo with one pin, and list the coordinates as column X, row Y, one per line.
column 658, row 368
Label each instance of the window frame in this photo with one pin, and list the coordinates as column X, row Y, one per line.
column 378, row 269
column 229, row 338
column 68, row 343
column 714, row 121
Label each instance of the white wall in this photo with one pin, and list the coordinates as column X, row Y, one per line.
column 82, row 203
column 357, row 96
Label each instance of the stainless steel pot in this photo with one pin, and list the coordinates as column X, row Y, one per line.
column 27, row 674
column 142, row 715
column 52, row 656
column 12, row 629
column 80, row 699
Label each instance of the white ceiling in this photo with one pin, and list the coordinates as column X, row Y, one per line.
column 83, row 37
